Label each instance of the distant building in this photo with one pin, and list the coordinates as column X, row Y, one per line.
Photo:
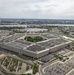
column 33, row 30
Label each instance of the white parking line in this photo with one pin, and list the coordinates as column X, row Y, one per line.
column 48, row 66
column 57, row 62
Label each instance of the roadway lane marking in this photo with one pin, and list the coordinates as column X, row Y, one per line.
column 70, row 71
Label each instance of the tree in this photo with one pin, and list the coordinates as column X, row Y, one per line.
column 34, row 39
column 72, row 45
column 35, row 68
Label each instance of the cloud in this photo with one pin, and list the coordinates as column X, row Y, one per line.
column 37, row 9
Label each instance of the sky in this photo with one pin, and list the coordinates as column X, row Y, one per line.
column 40, row 9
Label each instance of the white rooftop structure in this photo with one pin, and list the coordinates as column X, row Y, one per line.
column 35, row 29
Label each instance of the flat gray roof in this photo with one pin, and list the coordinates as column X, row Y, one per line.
column 47, row 58
column 35, row 48
column 52, row 42
column 17, row 45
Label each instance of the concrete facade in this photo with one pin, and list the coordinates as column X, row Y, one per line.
column 35, row 54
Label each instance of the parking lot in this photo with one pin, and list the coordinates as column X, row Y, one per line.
column 13, row 65
column 60, row 68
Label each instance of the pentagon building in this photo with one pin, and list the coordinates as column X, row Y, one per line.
column 52, row 43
